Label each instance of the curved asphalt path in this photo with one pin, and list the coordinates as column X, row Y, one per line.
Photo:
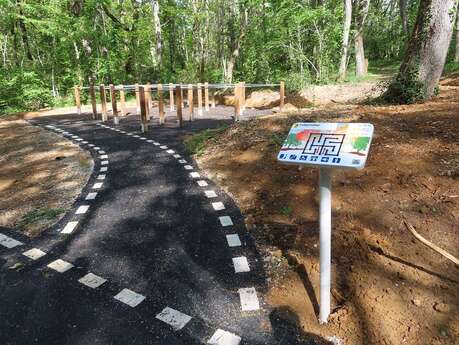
column 152, row 230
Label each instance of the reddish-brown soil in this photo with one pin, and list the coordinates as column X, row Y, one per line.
column 387, row 287
column 39, row 171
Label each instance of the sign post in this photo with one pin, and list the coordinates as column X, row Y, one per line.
column 327, row 146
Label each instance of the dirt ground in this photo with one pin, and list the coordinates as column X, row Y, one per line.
column 41, row 174
column 387, row 287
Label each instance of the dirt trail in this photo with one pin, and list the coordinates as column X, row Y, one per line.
column 387, row 288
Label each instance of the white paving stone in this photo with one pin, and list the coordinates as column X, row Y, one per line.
column 79, row 139
column 210, row 194
column 202, row 183
column 92, row 280
column 241, row 264
column 150, row 141
column 182, row 161
column 170, row 151
column 69, row 228
column 84, row 142
column 96, row 148
column 60, row 265
column 177, row 156
column 101, row 177
column 130, row 297
column 104, row 163
column 226, row 221
column 233, row 240
column 34, row 253
column 82, row 209
column 136, row 136
column 194, row 174
column 91, row 196
column 103, row 157
column 249, row 299
column 188, row 167
column 176, row 319
column 91, row 145
column 218, row 206
column 221, row 337
column 103, row 169
column 97, row 185
column 163, row 147
column 9, row 242
column 101, row 152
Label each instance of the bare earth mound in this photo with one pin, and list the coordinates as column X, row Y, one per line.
column 388, row 288
column 41, row 174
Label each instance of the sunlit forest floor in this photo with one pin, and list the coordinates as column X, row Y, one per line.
column 388, row 288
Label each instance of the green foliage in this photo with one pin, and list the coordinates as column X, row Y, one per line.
column 286, row 211
column 406, row 88
column 39, row 215
column 361, row 143
column 195, row 144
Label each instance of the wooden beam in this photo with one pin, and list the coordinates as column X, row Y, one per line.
column 92, row 93
column 77, row 91
column 148, row 99
column 190, row 101
column 179, row 105
column 114, row 105
column 103, row 102
column 143, row 110
column 171, row 97
column 160, row 104
column 122, row 100
column 206, row 96
column 199, row 99
column 242, row 96
column 137, row 98
column 282, row 95
column 237, row 102
column 213, row 99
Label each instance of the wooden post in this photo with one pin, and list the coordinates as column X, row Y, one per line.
column 122, row 100
column 213, row 99
column 179, row 105
column 171, row 97
column 181, row 97
column 143, row 110
column 137, row 98
column 282, row 95
column 148, row 99
column 199, row 99
column 114, row 106
column 237, row 102
column 78, row 99
column 206, row 96
column 243, row 96
column 190, row 101
column 160, row 104
column 92, row 93
column 103, row 102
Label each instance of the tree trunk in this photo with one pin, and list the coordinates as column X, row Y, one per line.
column 457, row 36
column 158, row 33
column 362, row 7
column 402, row 4
column 236, row 48
column 421, row 69
column 346, row 30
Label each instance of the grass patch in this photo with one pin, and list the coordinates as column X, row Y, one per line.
column 451, row 67
column 40, row 214
column 286, row 211
column 195, row 144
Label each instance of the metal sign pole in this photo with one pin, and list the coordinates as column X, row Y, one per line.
column 325, row 243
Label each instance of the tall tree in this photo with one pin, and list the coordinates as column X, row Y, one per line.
column 457, row 36
column 158, row 32
column 346, row 32
column 421, row 69
column 361, row 14
column 403, row 7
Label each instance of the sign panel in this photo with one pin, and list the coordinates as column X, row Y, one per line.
column 338, row 145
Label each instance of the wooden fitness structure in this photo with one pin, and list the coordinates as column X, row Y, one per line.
column 175, row 92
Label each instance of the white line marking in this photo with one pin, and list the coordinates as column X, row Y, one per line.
column 226, row 221
column 74, row 136
column 130, row 297
column 177, row 156
column 97, row 185
column 182, row 161
column 177, row 320
column 82, row 209
column 156, row 144
column 34, row 253
column 249, row 299
column 163, row 147
column 170, row 151
column 84, row 142
column 149, row 141
column 103, row 169
column 194, row 174
column 221, row 337
column 92, row 280
column 210, row 194
column 188, row 167
column 101, row 152
column 233, row 240
column 79, row 139
column 104, row 157
column 91, row 145
column 9, row 242
column 104, row 163
column 101, row 177
column 202, row 183
column 68, row 229
column 91, row 196
column 241, row 264
column 136, row 136
column 60, row 265
column 143, row 138
column 218, row 206
column 96, row 148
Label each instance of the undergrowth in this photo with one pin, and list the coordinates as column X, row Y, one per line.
column 40, row 214
column 195, row 144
